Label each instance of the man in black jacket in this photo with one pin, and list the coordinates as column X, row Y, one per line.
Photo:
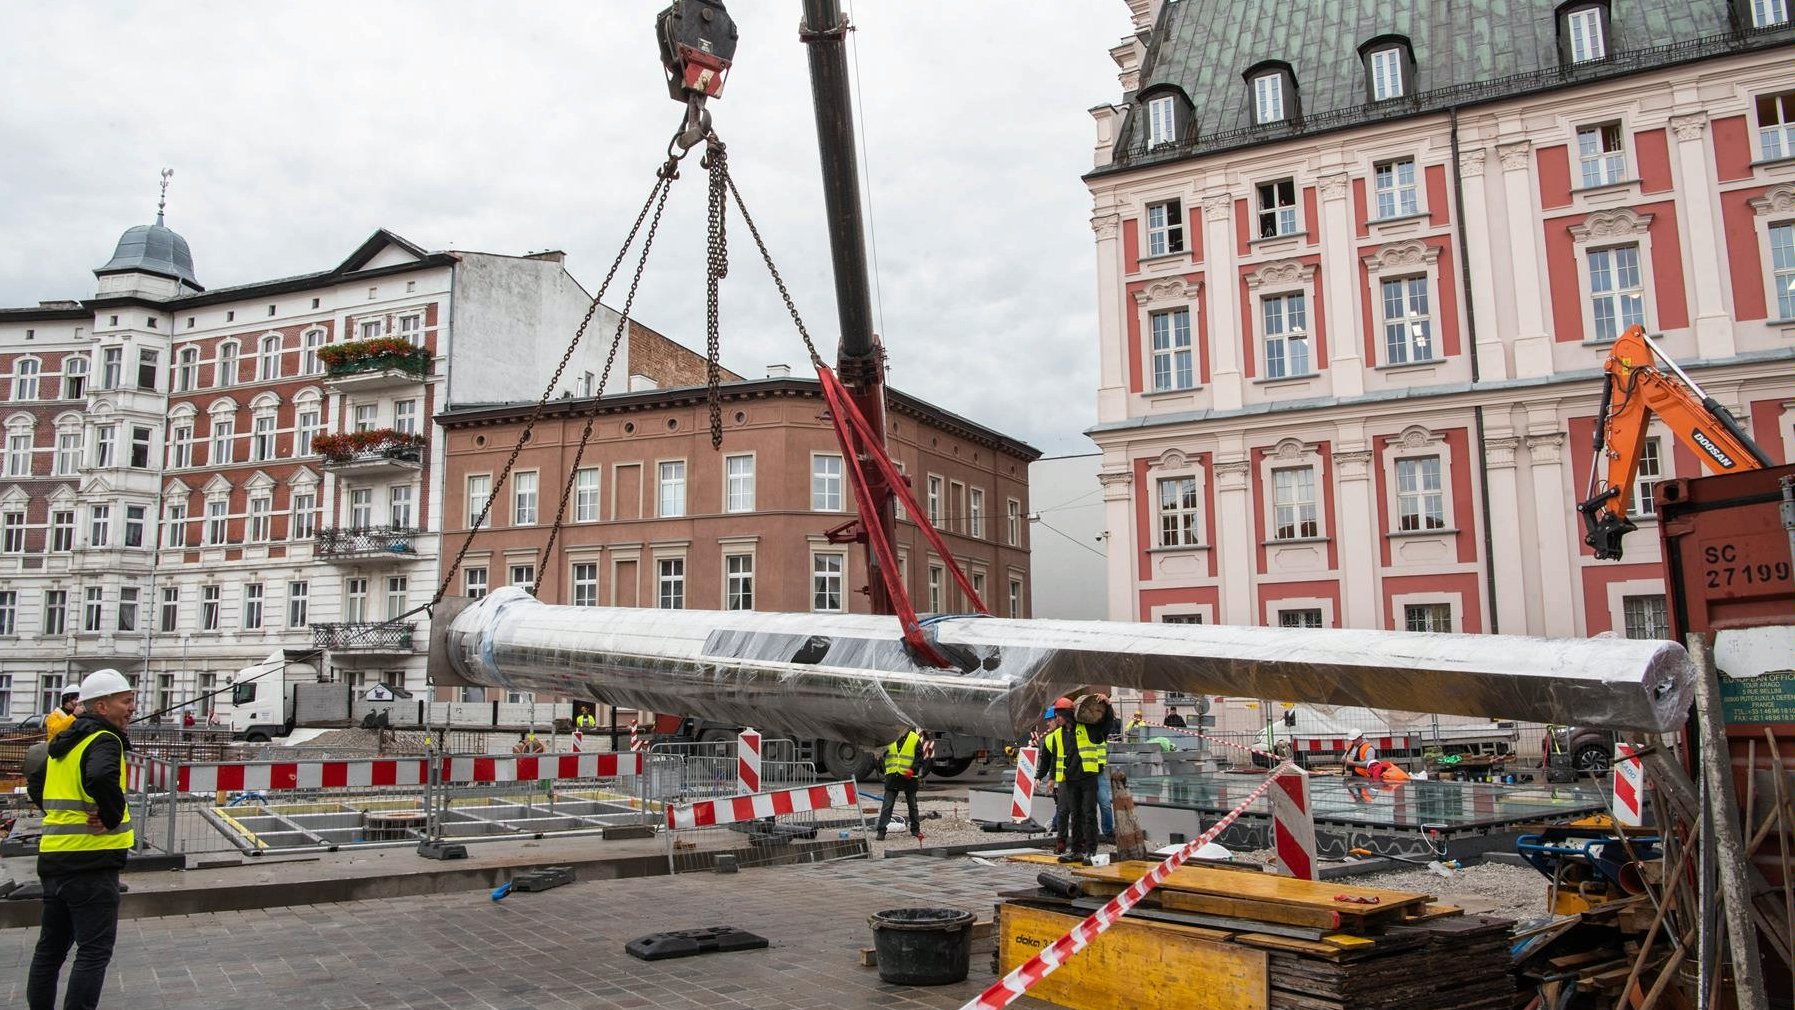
column 87, row 835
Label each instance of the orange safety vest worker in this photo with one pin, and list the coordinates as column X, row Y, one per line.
column 1359, row 756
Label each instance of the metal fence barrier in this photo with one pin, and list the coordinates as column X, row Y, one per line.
column 799, row 822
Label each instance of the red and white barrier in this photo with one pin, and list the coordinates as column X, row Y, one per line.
column 1022, row 798
column 637, row 742
column 268, row 776
column 579, row 738
column 1629, row 787
column 1005, row 990
column 747, row 761
column 1293, row 824
column 758, row 806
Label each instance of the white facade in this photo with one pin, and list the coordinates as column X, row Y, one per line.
column 1066, row 552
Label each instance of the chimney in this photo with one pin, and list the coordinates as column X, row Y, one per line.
column 779, row 371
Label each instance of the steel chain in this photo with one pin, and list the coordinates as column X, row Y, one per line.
column 716, row 161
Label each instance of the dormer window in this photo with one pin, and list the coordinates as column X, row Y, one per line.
column 1268, row 98
column 1162, row 121
column 1585, row 33
column 1389, row 66
column 1769, row 13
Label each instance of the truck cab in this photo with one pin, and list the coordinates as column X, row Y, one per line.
column 263, row 700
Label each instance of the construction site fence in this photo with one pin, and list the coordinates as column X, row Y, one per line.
column 1515, row 747
column 797, row 820
column 678, row 772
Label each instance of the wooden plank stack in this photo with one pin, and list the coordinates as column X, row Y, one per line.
column 1329, row 946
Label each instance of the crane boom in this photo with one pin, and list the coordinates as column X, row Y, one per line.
column 1635, row 390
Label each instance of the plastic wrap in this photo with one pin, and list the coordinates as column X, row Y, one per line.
column 849, row 677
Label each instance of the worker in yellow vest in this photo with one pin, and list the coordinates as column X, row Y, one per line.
column 904, row 769
column 63, row 716
column 87, row 834
column 1051, row 769
column 1081, row 759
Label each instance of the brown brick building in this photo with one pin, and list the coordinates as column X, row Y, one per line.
column 659, row 518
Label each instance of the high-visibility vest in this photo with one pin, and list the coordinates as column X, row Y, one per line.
column 1052, row 744
column 585, row 720
column 67, row 804
column 900, row 755
column 1359, row 753
column 1093, row 754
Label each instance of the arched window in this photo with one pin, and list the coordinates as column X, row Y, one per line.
column 74, row 377
column 187, row 370
column 1272, row 90
column 309, row 364
column 270, row 358
column 1389, row 67
column 24, row 379
column 227, row 364
column 1583, row 30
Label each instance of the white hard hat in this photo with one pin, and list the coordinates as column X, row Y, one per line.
column 103, row 683
column 1357, row 734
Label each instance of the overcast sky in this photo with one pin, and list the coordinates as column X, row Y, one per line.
column 295, row 131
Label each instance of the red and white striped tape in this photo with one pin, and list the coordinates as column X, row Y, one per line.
column 1006, row 990
column 758, row 806
column 1023, row 797
column 1629, row 787
column 268, row 776
column 1293, row 824
column 747, row 761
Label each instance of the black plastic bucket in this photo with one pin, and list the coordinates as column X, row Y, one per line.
column 922, row 946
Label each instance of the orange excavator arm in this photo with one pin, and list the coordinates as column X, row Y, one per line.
column 1636, row 389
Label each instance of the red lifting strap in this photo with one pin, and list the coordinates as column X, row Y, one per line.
column 860, row 445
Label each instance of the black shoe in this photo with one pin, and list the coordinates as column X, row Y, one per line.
column 1071, row 857
column 879, row 837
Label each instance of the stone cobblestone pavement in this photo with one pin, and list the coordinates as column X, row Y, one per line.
column 556, row 949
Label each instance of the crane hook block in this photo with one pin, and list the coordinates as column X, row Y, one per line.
column 697, row 41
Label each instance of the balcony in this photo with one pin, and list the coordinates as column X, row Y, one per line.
column 353, row 544
column 383, row 452
column 372, row 366
column 382, row 638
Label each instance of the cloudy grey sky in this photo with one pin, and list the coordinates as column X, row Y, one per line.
column 295, row 131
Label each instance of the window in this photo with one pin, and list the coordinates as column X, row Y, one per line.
column 371, row 328
column 309, row 362
column 105, row 445
column 1286, row 336
column 1433, row 617
column 74, row 377
column 306, row 428
column 1768, row 13
column 261, row 439
column 671, row 583
column 1293, row 509
column 1178, row 512
column 585, row 584
column 112, row 366
column 62, row 530
column 181, row 447
column 975, row 512
column 1782, row 268
column 261, row 508
column 738, row 474
column 1617, row 293
column 523, row 499
column 1277, row 208
column 934, row 501
column 825, row 483
column 136, row 517
column 140, row 448
column 1649, row 472
column 396, row 586
column 187, row 370
column 1397, row 194
column 473, row 583
column 1013, row 523
column 12, row 532
column 208, row 607
column 216, row 511
column 585, row 495
column 1386, row 73
column 56, row 612
column 364, row 417
column 1602, row 158
column 1015, row 597
column 224, row 431
column 524, row 577
column 171, row 609
column 1268, row 98
column 99, row 526
column 1172, row 359
column 304, row 522
column 1162, row 124
column 1776, row 123
column 673, row 489
column 355, row 600
column 1420, row 504
column 1165, row 228
column 1306, row 618
column 738, row 582
column 411, row 328
column 148, row 364
column 227, row 365
column 826, row 582
column 268, row 365
column 936, row 575
column 93, row 609
column 1583, row 28
column 405, row 416
column 1181, row 618
column 1645, row 616
column 127, row 608
column 398, row 506
column 24, row 379
column 174, row 524
column 1408, row 329
column 361, row 507
column 18, row 454
column 978, row 586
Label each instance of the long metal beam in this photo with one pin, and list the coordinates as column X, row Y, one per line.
column 848, row 677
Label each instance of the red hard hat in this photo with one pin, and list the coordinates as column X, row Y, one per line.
column 1062, row 703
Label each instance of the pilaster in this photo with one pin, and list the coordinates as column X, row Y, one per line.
column 1510, row 604
column 1533, row 345
column 1713, row 326
column 1358, row 535
column 1122, row 551
column 1557, row 587
column 1235, row 537
column 1223, row 309
column 1491, row 351
column 1112, row 384
column 1346, row 363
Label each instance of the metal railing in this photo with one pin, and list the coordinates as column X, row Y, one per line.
column 414, row 363
column 356, row 541
column 381, row 636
